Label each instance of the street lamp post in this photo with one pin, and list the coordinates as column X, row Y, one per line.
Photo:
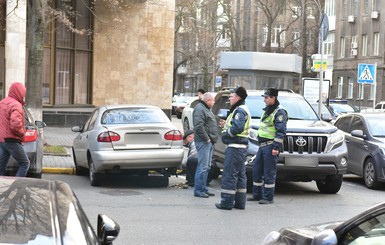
column 323, row 32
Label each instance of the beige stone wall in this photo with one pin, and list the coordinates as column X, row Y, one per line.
column 16, row 31
column 133, row 54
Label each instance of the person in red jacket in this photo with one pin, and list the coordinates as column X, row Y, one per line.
column 12, row 130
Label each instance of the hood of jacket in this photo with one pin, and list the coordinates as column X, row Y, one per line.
column 17, row 91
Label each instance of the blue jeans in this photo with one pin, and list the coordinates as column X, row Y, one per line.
column 15, row 150
column 204, row 153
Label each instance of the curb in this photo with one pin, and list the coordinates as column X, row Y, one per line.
column 59, row 170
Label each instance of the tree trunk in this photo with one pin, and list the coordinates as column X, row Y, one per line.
column 35, row 37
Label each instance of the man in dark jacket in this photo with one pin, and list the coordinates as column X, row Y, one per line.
column 12, row 130
column 205, row 136
column 235, row 136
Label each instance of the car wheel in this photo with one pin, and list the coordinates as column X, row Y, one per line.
column 164, row 182
column 330, row 185
column 214, row 172
column 95, row 178
column 186, row 125
column 35, row 175
column 249, row 183
column 370, row 175
column 80, row 171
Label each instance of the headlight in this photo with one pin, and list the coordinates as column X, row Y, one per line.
column 271, row 238
column 334, row 139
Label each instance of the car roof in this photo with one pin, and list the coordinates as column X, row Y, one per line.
column 41, row 209
column 369, row 114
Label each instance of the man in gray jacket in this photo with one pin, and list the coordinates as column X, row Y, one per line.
column 206, row 135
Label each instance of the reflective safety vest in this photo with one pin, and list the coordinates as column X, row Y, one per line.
column 246, row 129
column 267, row 128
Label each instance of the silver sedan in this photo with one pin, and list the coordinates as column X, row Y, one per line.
column 132, row 138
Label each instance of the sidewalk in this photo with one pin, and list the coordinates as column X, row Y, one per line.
column 62, row 163
column 63, row 136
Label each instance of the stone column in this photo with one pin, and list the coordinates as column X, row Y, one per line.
column 15, row 42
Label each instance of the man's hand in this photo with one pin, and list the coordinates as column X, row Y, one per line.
column 274, row 152
column 221, row 123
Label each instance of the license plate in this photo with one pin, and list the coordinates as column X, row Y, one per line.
column 301, row 162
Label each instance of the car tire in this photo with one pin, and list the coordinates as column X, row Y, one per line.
column 186, row 125
column 95, row 178
column 249, row 182
column 80, row 171
column 214, row 172
column 35, row 175
column 370, row 175
column 164, row 182
column 330, row 185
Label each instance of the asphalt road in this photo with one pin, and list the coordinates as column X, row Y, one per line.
column 149, row 214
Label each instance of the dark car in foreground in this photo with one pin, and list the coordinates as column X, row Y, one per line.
column 35, row 211
column 365, row 139
column 33, row 146
column 127, row 138
column 367, row 228
column 314, row 150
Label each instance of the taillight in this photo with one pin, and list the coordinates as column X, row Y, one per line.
column 173, row 135
column 30, row 135
column 108, row 137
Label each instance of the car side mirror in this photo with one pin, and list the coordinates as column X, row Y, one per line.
column 223, row 113
column 326, row 237
column 77, row 129
column 325, row 117
column 358, row 133
column 108, row 230
column 40, row 124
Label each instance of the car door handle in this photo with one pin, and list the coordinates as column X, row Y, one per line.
column 347, row 141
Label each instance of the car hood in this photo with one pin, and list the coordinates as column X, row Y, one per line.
column 303, row 235
column 304, row 126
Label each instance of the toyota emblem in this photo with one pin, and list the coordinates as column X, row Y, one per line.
column 301, row 141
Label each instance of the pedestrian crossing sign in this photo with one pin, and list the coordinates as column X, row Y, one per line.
column 366, row 73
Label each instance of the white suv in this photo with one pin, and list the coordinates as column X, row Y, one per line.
column 313, row 149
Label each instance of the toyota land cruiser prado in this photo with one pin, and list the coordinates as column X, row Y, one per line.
column 313, row 149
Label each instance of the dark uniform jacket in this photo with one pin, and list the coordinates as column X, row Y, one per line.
column 280, row 120
column 237, row 126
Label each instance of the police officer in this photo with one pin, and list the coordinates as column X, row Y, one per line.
column 235, row 136
column 271, row 133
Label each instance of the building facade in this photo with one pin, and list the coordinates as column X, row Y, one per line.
column 359, row 37
column 127, row 59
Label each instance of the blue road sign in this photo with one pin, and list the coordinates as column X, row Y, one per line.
column 366, row 73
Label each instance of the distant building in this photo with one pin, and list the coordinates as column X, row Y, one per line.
column 359, row 39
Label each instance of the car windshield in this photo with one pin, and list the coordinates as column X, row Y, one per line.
column 297, row 108
column 134, row 116
column 342, row 108
column 375, row 125
column 324, row 109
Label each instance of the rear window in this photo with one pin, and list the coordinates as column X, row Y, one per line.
column 134, row 116
column 342, row 108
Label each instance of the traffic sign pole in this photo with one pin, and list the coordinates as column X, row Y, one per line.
column 375, row 86
column 367, row 74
